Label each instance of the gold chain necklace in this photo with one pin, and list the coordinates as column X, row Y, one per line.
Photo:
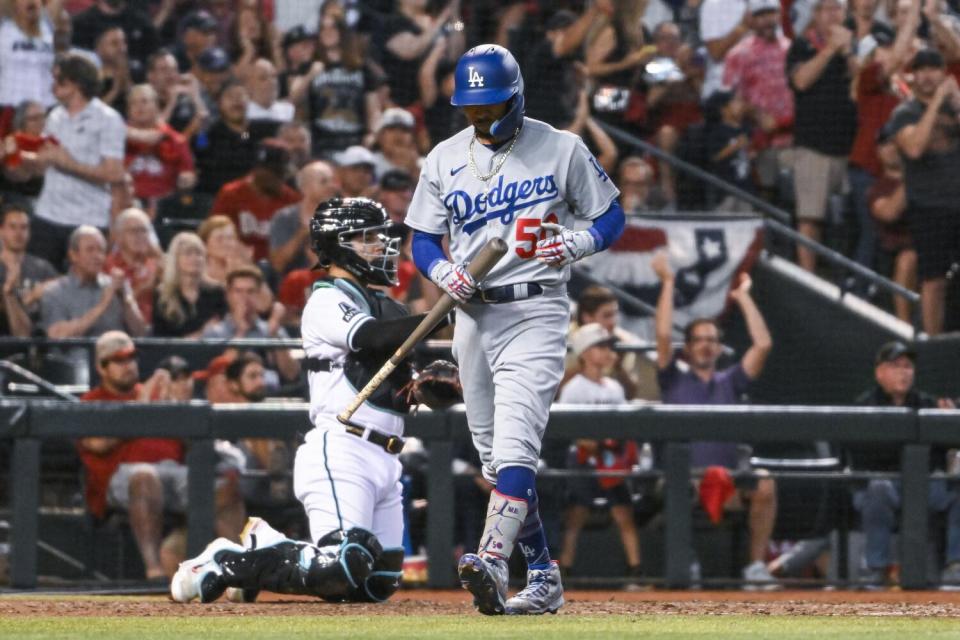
column 496, row 169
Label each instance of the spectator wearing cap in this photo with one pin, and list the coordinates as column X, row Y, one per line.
column 591, row 345
column 551, row 87
column 135, row 254
column 699, row 381
column 396, row 192
column 290, row 226
column 128, row 16
column 894, row 371
column 887, row 199
column 355, row 171
column 820, row 67
column 213, row 73
column 181, row 105
column 115, row 79
column 214, row 377
column 927, row 132
column 157, row 156
column 395, row 144
column 339, row 95
column 228, row 149
column 83, row 159
column 299, row 50
column 181, row 378
column 198, row 33
column 243, row 321
column 264, row 90
column 143, row 476
column 186, row 300
column 251, row 201
column 756, row 69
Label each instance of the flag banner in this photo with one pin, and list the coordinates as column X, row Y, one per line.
column 706, row 252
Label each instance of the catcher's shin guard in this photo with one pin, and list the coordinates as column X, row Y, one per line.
column 384, row 581
column 278, row 568
column 357, row 552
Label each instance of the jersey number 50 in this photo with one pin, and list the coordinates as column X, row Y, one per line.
column 527, row 236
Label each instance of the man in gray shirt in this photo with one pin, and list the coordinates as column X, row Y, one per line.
column 290, row 226
column 86, row 302
column 23, row 275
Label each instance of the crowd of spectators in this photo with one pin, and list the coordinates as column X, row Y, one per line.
column 162, row 160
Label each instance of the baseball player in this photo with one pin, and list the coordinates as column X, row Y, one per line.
column 347, row 477
column 520, row 180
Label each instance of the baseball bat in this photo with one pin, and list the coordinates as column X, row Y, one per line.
column 479, row 267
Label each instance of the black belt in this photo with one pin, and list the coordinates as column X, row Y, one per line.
column 318, row 364
column 507, row 293
column 390, row 444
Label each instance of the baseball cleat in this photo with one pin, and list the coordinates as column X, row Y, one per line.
column 200, row 577
column 257, row 533
column 543, row 593
column 486, row 578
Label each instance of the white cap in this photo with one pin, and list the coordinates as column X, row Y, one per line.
column 396, row 117
column 756, row 6
column 353, row 156
column 589, row 335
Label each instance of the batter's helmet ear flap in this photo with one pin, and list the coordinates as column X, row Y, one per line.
column 506, row 126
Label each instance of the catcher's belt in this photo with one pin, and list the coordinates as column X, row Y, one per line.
column 390, row 444
column 507, row 293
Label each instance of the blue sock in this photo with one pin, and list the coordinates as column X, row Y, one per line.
column 520, row 482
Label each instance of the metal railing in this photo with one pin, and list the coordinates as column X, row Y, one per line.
column 28, row 423
column 776, row 219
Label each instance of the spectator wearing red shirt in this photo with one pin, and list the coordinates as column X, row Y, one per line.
column 136, row 256
column 756, row 69
column 157, row 156
column 251, row 201
column 876, row 97
column 144, row 476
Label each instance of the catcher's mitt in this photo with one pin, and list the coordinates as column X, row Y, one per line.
column 437, row 385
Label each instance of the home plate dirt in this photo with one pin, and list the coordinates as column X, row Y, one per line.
column 592, row 603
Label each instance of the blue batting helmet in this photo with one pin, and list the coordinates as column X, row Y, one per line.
column 489, row 74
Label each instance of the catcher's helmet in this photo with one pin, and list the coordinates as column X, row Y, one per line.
column 489, row 74
column 339, row 222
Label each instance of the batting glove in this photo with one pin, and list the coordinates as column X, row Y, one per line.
column 564, row 246
column 454, row 279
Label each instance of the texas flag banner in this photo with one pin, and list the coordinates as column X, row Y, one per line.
column 706, row 252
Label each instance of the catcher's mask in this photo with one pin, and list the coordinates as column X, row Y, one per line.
column 356, row 234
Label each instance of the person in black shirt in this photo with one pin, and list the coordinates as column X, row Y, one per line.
column 198, row 33
column 820, row 67
column 180, row 103
column 186, row 301
column 552, row 89
column 927, row 132
column 728, row 143
column 105, row 14
column 879, row 503
column 227, row 150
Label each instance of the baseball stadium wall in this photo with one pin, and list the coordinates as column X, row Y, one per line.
column 27, row 423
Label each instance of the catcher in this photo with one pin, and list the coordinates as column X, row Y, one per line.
column 346, row 476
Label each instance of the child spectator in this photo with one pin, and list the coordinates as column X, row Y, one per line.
column 728, row 143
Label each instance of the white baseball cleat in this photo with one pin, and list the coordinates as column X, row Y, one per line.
column 486, row 578
column 543, row 593
column 200, row 577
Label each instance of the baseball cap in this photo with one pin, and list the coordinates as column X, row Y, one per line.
column 201, row 21
column 560, row 20
column 396, row 117
column 759, row 6
column 114, row 344
column 893, row 350
column 274, row 155
column 214, row 60
column 927, row 58
column 296, row 34
column 215, row 367
column 590, row 335
column 354, row 156
column 176, row 365
column 396, row 180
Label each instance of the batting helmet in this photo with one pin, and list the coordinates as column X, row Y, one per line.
column 339, row 222
column 489, row 74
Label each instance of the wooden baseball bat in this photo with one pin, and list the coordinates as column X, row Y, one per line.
column 479, row 267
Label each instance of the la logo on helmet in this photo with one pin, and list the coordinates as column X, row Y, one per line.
column 476, row 80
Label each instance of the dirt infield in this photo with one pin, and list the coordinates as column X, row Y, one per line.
column 415, row 603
